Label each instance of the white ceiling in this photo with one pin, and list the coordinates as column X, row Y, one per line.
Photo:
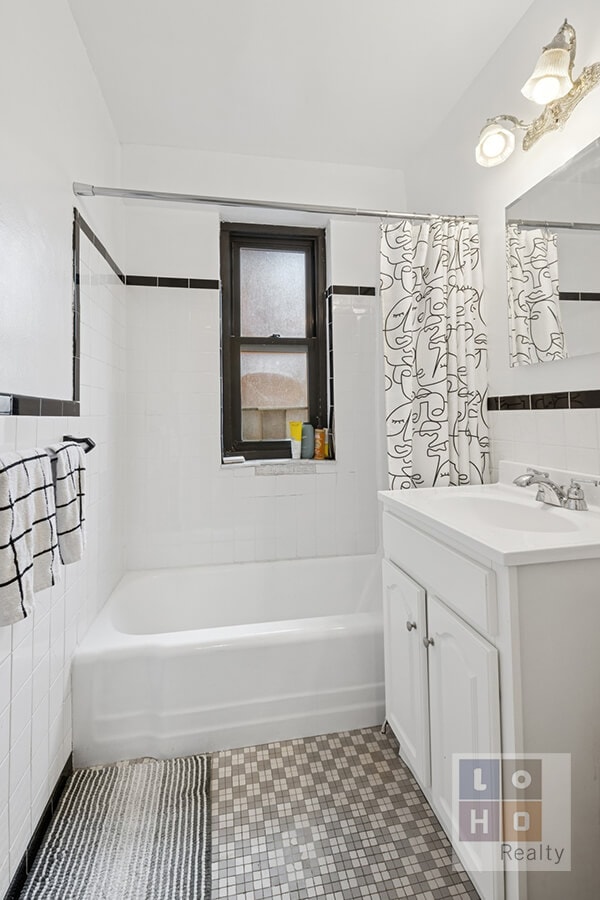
column 344, row 81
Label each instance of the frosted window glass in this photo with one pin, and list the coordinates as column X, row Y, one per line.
column 273, row 292
column 272, row 383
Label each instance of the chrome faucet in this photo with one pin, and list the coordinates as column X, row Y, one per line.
column 553, row 494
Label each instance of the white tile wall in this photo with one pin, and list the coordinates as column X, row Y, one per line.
column 558, row 438
column 36, row 654
column 184, row 507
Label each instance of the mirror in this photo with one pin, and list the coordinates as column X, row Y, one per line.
column 553, row 264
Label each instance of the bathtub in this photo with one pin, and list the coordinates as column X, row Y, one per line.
column 183, row 661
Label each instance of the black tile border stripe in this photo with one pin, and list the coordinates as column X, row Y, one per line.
column 95, row 240
column 24, row 405
column 579, row 296
column 25, row 866
column 351, row 289
column 555, row 400
column 206, row 284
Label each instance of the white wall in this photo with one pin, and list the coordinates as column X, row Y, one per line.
column 55, row 128
column 185, row 508
column 445, row 177
column 259, row 178
column 36, row 654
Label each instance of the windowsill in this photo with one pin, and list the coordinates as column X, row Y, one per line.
column 282, row 466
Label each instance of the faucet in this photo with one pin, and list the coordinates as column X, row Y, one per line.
column 553, row 494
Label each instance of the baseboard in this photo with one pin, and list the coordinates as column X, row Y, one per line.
column 24, row 867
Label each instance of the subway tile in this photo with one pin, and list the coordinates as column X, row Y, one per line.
column 558, row 400
column 26, row 406
column 553, row 456
column 244, row 551
column 40, row 719
column 22, row 659
column 20, row 824
column 584, row 399
column 525, row 452
column 20, row 711
column 551, row 428
column 4, row 787
column 507, row 425
column 515, row 402
column 39, row 773
column 169, row 282
column 8, row 433
column 581, row 428
column 583, row 460
column 19, row 763
column 4, row 733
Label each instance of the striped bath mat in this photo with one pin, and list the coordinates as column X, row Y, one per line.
column 136, row 830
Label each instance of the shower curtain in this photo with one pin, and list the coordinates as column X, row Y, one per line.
column 435, row 349
column 536, row 331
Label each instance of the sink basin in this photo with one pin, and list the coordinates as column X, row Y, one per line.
column 502, row 522
column 510, row 514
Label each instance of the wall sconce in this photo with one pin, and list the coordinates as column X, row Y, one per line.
column 551, row 85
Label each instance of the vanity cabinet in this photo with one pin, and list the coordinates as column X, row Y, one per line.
column 406, row 700
column 464, row 699
column 442, row 694
column 491, row 633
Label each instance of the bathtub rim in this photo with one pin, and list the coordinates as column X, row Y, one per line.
column 104, row 636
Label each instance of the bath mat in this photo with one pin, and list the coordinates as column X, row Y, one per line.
column 137, row 830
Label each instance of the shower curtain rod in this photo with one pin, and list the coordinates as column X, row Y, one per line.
column 534, row 223
column 90, row 190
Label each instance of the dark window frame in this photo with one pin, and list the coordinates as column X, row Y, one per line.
column 235, row 236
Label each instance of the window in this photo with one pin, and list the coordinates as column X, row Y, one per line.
column 274, row 336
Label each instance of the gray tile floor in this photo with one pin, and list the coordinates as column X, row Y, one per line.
column 336, row 816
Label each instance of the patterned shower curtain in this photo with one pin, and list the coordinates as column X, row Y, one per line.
column 435, row 348
column 536, row 331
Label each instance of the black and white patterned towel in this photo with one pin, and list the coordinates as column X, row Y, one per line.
column 69, row 487
column 28, row 540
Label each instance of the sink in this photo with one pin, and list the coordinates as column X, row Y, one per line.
column 501, row 513
column 502, row 522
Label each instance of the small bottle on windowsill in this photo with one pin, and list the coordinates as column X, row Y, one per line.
column 308, row 441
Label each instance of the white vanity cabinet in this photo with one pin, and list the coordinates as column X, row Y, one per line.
column 492, row 630
column 406, row 700
column 464, row 699
column 442, row 693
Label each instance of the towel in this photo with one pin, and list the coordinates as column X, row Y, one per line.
column 69, row 488
column 28, row 540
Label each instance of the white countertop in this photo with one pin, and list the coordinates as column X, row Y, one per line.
column 502, row 522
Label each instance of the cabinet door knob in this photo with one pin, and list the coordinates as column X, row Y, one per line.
column 427, row 642
column 410, row 625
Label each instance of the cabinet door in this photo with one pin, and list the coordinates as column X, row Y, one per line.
column 406, row 706
column 464, row 699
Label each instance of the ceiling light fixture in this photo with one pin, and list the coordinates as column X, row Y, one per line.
column 551, row 85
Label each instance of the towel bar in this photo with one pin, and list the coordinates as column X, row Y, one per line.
column 90, row 444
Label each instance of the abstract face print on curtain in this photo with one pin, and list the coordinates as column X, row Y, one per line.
column 435, row 349
column 536, row 331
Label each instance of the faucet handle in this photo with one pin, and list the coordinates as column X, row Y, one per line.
column 575, row 498
column 533, row 471
column 577, row 482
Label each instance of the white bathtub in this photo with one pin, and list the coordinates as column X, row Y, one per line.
column 183, row 661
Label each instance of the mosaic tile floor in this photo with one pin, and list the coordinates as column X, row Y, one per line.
column 336, row 816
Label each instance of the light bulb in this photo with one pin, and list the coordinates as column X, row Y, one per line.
column 496, row 143
column 546, row 90
column 493, row 145
column 551, row 77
